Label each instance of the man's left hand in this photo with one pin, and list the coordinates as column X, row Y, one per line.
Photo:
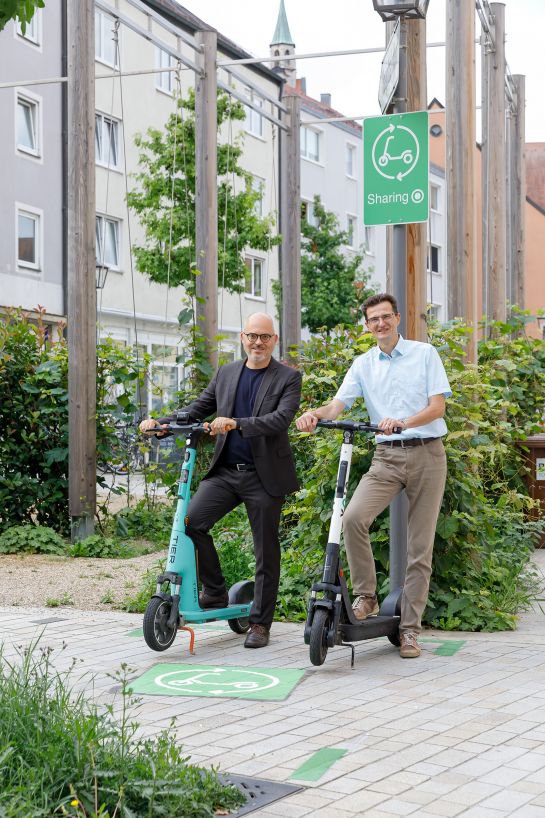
column 221, row 426
column 388, row 425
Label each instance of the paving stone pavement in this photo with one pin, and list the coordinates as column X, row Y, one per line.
column 442, row 735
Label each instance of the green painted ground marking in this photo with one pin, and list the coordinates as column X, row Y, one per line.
column 318, row 764
column 447, row 647
column 218, row 682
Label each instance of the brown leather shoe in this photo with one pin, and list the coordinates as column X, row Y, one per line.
column 364, row 606
column 207, row 600
column 409, row 647
column 257, row 637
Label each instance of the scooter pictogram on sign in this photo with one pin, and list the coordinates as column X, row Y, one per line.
column 394, row 138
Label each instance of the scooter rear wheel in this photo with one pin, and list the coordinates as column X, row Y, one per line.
column 395, row 640
column 318, row 636
column 239, row 594
column 158, row 635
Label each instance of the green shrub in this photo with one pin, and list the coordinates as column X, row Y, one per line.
column 61, row 755
column 104, row 547
column 31, row 539
column 34, row 417
column 150, row 521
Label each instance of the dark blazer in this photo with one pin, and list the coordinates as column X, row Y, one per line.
column 276, row 403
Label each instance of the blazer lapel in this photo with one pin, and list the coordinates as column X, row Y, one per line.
column 268, row 380
column 232, row 387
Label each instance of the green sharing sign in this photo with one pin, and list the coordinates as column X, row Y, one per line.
column 395, row 169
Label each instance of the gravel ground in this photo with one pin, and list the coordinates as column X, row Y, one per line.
column 33, row 580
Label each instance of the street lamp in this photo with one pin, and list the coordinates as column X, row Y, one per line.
column 409, row 9
column 101, row 275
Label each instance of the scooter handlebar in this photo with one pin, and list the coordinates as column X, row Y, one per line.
column 354, row 426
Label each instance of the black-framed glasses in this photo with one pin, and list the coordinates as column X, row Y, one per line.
column 252, row 337
column 374, row 322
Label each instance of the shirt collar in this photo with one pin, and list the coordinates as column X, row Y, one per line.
column 399, row 349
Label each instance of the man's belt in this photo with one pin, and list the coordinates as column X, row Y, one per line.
column 241, row 466
column 411, row 441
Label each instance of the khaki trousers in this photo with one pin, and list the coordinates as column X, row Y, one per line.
column 421, row 471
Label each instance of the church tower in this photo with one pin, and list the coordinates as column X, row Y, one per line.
column 283, row 45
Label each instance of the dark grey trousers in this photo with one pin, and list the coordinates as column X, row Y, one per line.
column 218, row 494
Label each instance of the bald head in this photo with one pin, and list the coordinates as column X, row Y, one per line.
column 258, row 339
column 259, row 322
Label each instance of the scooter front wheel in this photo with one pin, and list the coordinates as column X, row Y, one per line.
column 157, row 633
column 318, row 636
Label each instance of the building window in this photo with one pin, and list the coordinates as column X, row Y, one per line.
column 310, row 144
column 351, row 230
column 165, row 80
column 33, row 29
column 434, row 197
column 166, row 375
column 105, row 49
column 28, row 239
column 351, row 160
column 28, row 120
column 254, row 277
column 107, row 241
column 434, row 258
column 106, row 141
column 308, row 214
column 433, row 311
column 258, row 186
column 370, row 241
column 254, row 120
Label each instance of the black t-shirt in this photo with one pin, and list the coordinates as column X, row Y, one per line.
column 237, row 449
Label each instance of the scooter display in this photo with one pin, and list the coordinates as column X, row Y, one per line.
column 175, row 603
column 330, row 619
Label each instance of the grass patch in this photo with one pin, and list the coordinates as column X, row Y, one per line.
column 60, row 755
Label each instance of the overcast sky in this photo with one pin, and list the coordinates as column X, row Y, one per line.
column 324, row 25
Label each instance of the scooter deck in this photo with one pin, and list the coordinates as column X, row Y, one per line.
column 230, row 612
column 369, row 628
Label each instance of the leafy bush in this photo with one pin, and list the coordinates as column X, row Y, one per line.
column 31, row 539
column 63, row 756
column 484, row 537
column 34, row 417
column 104, row 547
column 151, row 521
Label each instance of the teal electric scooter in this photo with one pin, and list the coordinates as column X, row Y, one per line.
column 175, row 603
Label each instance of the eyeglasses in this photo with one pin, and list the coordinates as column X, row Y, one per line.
column 374, row 322
column 252, row 337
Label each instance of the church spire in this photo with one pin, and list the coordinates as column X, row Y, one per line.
column 282, row 34
column 283, row 45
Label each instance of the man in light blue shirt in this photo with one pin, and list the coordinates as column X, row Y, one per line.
column 404, row 386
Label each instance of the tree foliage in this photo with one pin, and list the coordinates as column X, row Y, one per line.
column 21, row 10
column 333, row 285
column 165, row 201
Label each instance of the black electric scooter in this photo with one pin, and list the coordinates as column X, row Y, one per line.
column 330, row 619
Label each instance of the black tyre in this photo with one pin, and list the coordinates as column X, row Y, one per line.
column 239, row 594
column 318, row 636
column 395, row 640
column 157, row 633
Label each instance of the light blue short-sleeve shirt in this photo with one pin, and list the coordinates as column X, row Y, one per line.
column 398, row 385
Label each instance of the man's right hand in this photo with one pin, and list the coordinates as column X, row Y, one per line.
column 151, row 426
column 307, row 422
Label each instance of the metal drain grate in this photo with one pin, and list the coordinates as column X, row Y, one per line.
column 48, row 620
column 258, row 791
